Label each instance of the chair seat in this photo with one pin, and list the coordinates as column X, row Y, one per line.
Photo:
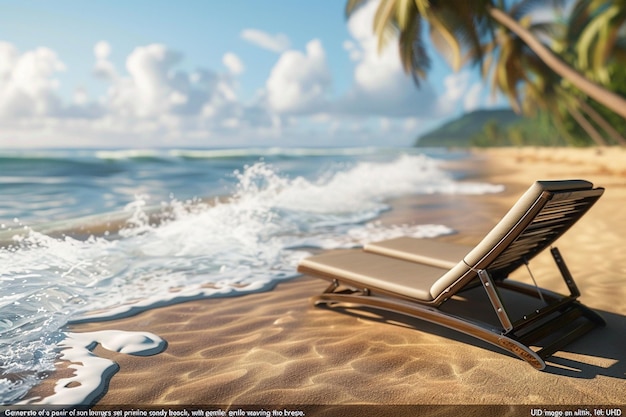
column 381, row 274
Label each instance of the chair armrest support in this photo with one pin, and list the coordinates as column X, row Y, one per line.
column 567, row 276
column 496, row 302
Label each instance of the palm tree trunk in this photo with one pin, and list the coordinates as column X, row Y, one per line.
column 611, row 100
column 584, row 123
column 602, row 122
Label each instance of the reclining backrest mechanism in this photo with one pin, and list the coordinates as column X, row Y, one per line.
column 545, row 212
column 532, row 276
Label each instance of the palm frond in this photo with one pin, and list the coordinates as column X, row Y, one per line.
column 413, row 55
column 486, row 65
column 442, row 36
column 404, row 13
column 423, row 8
column 578, row 19
column 471, row 28
column 384, row 22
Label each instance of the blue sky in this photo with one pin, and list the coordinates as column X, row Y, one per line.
column 212, row 74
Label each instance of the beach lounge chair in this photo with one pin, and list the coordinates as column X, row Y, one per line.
column 443, row 283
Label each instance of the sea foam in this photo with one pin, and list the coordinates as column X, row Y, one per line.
column 91, row 372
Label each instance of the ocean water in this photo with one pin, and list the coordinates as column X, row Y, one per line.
column 98, row 234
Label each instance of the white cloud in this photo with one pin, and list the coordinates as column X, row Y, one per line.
column 233, row 63
column 155, row 97
column 103, row 68
column 102, row 50
column 275, row 43
column 456, row 86
column 354, row 51
column 27, row 84
column 148, row 91
column 80, row 97
column 150, row 103
column 472, row 98
column 299, row 82
column 8, row 57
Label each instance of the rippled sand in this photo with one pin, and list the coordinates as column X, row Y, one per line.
column 275, row 348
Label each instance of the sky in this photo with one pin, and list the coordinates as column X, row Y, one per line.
column 208, row 74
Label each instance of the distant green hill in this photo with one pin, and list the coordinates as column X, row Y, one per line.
column 458, row 132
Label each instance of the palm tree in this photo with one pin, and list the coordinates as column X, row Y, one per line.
column 509, row 62
column 453, row 28
column 544, row 91
column 602, row 95
column 595, row 41
column 597, row 30
column 458, row 26
column 513, row 66
column 602, row 122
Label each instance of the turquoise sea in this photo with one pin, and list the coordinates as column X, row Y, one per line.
column 98, row 234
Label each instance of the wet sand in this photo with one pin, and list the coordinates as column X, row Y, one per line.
column 274, row 348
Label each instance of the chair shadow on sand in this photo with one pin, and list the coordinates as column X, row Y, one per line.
column 602, row 344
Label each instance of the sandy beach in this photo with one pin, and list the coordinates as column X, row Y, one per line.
column 274, row 348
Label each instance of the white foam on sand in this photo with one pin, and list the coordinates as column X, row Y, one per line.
column 92, row 373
